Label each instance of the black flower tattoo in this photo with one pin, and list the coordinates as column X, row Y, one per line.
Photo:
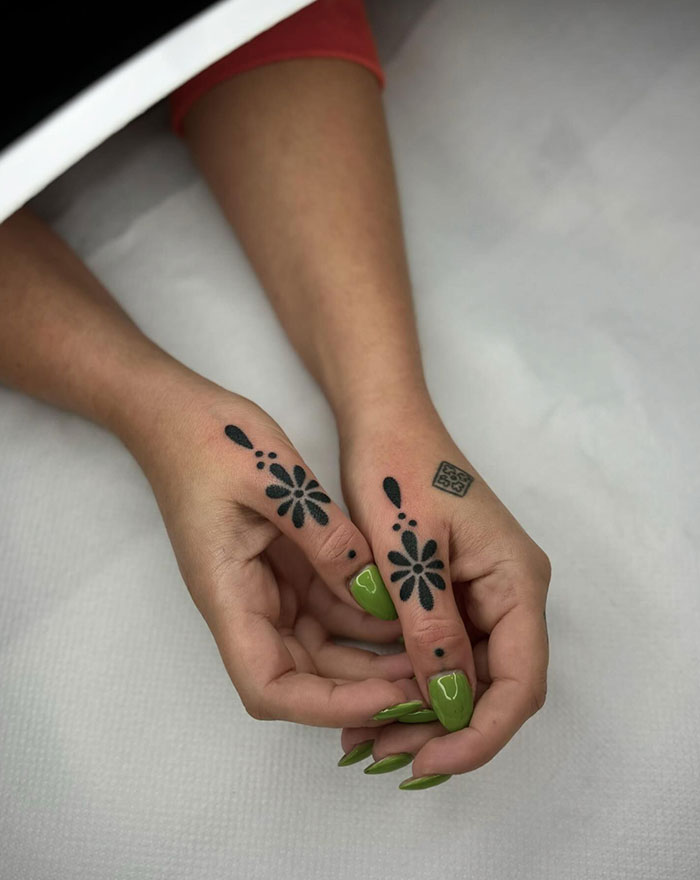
column 418, row 569
column 297, row 496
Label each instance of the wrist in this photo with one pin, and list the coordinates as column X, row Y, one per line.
column 387, row 407
column 152, row 405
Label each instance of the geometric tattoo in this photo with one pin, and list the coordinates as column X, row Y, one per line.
column 452, row 479
column 416, row 566
column 291, row 491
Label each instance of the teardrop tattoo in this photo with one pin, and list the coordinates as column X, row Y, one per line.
column 296, row 494
column 416, row 567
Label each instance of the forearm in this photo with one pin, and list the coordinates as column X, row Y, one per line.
column 64, row 340
column 298, row 155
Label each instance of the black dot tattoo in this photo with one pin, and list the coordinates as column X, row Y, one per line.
column 396, row 527
column 352, row 554
column 452, row 479
column 439, row 652
column 303, row 499
column 416, row 567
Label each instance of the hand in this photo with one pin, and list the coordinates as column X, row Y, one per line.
column 468, row 583
column 245, row 515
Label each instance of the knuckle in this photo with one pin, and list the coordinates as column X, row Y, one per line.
column 427, row 632
column 257, row 709
column 337, row 541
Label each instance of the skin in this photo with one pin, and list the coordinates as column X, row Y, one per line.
column 331, row 191
column 297, row 155
column 64, row 340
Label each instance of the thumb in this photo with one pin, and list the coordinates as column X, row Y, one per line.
column 412, row 544
column 284, row 490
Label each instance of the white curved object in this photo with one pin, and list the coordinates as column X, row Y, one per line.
column 68, row 134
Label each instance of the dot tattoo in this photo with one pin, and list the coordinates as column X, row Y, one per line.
column 352, row 554
column 439, row 652
column 449, row 478
column 297, row 495
column 416, row 567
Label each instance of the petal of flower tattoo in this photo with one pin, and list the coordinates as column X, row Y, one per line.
column 416, row 568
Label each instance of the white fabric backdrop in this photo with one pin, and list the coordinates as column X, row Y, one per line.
column 548, row 163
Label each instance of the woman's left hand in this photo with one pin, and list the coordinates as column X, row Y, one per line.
column 468, row 583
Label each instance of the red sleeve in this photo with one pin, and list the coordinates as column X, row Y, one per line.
column 324, row 29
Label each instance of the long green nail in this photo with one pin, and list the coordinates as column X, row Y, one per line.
column 360, row 751
column 370, row 593
column 397, row 710
column 420, row 716
column 391, row 762
column 424, row 781
column 451, row 697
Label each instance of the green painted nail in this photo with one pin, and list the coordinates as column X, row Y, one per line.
column 370, row 593
column 420, row 716
column 360, row 751
column 424, row 781
column 451, row 697
column 397, row 710
column 401, row 640
column 391, row 762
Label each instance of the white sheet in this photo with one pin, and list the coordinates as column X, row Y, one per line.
column 547, row 155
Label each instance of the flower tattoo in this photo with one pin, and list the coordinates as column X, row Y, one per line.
column 417, row 568
column 297, row 495
column 299, row 498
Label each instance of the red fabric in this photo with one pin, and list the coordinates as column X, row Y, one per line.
column 325, row 29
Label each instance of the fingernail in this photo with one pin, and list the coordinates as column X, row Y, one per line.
column 370, row 593
column 415, row 784
column 391, row 762
column 420, row 716
column 397, row 710
column 451, row 697
column 401, row 640
column 360, row 751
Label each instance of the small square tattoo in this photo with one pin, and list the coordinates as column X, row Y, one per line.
column 452, row 479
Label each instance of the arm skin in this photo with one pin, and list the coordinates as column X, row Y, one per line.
column 297, row 153
column 298, row 156
column 64, row 340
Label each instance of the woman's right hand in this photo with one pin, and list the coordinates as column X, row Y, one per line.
column 268, row 559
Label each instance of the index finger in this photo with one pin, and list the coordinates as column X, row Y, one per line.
column 265, row 673
column 518, row 654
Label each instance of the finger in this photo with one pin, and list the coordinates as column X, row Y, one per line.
column 350, row 623
column 412, row 546
column 390, row 741
column 517, row 656
column 284, row 490
column 342, row 661
column 264, row 671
